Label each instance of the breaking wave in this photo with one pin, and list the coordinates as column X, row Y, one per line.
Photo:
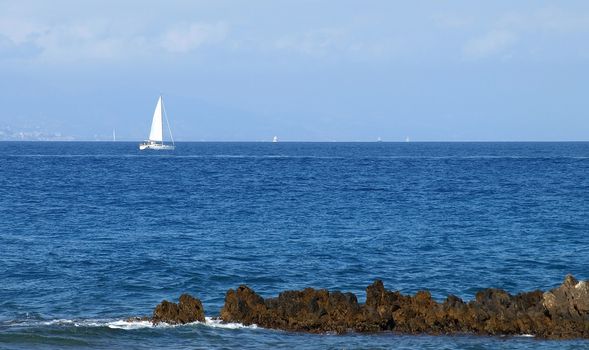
column 125, row 324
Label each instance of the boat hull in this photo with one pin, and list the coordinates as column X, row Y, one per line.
column 156, row 147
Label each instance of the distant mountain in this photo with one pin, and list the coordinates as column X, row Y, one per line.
column 8, row 134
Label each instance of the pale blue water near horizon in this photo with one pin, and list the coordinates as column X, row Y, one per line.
column 93, row 233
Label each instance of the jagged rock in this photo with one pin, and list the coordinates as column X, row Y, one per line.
column 243, row 305
column 560, row 313
column 307, row 310
column 188, row 309
column 380, row 305
column 570, row 300
column 568, row 309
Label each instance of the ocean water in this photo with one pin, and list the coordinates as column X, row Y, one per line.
column 93, row 233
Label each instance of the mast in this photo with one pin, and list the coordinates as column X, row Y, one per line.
column 167, row 121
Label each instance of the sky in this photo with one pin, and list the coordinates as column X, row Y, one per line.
column 303, row 70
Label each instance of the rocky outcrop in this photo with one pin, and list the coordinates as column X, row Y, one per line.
column 568, row 309
column 570, row 300
column 188, row 309
column 308, row 310
column 560, row 313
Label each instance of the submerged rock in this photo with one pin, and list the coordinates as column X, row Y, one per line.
column 561, row 313
column 138, row 319
column 188, row 309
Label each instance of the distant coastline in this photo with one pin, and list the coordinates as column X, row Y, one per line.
column 72, row 139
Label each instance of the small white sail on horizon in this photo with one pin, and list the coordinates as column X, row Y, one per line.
column 156, row 134
column 275, row 139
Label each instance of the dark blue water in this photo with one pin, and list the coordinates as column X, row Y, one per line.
column 92, row 233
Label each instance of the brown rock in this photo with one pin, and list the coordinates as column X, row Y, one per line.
column 243, row 305
column 308, row 310
column 379, row 308
column 560, row 313
column 188, row 309
column 570, row 300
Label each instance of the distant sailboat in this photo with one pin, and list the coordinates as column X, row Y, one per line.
column 407, row 139
column 156, row 135
column 379, row 139
column 114, row 135
column 275, row 139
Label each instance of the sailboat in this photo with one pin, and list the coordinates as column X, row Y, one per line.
column 275, row 139
column 156, row 135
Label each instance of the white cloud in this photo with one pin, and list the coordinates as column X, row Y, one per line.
column 452, row 21
column 19, row 31
column 528, row 32
column 188, row 37
column 104, row 34
column 74, row 42
column 492, row 43
column 546, row 19
column 336, row 42
column 313, row 43
column 103, row 40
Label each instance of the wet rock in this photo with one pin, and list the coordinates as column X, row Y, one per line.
column 188, row 309
column 568, row 309
column 138, row 319
column 243, row 305
column 570, row 300
column 308, row 310
column 380, row 306
column 560, row 313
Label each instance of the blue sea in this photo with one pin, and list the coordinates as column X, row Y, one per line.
column 95, row 232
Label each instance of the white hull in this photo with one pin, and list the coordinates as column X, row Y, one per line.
column 156, row 146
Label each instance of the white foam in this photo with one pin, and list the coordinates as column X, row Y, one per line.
column 57, row 322
column 124, row 324
column 209, row 322
column 217, row 323
column 75, row 323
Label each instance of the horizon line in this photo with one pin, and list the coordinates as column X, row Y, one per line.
column 309, row 141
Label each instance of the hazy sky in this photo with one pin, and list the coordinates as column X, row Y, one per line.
column 302, row 70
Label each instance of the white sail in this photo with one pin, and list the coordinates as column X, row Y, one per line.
column 157, row 132
column 156, row 135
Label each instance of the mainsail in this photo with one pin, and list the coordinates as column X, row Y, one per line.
column 157, row 133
